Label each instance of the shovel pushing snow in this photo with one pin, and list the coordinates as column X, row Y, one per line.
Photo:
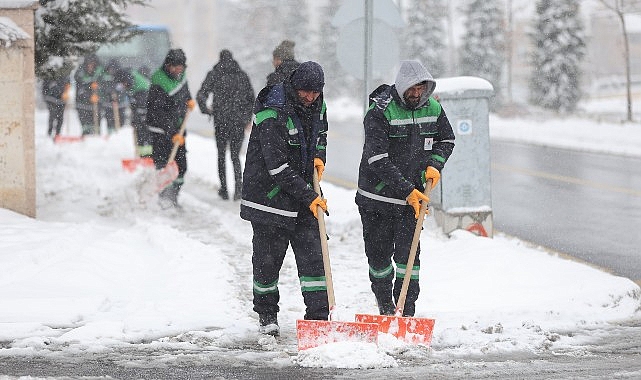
column 315, row 333
column 169, row 173
column 409, row 329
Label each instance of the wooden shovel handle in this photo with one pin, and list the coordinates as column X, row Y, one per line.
column 181, row 132
column 115, row 107
column 400, row 305
column 324, row 248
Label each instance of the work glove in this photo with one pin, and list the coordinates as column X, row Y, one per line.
column 178, row 139
column 65, row 93
column 432, row 174
column 94, row 86
column 320, row 167
column 94, row 98
column 318, row 202
column 191, row 104
column 414, row 200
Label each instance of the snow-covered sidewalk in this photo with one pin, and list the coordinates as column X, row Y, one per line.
column 100, row 268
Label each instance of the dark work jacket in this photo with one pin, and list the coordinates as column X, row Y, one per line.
column 53, row 89
column 83, row 81
column 167, row 103
column 285, row 139
column 138, row 98
column 232, row 95
column 400, row 143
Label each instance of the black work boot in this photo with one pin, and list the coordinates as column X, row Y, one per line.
column 222, row 192
column 168, row 197
column 238, row 192
column 385, row 307
column 268, row 324
column 409, row 309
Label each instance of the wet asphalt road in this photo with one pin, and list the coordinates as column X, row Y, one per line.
column 613, row 352
column 585, row 205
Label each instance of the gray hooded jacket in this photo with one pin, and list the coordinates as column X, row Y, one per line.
column 401, row 142
column 410, row 74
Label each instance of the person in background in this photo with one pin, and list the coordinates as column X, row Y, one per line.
column 112, row 97
column 287, row 144
column 137, row 88
column 284, row 62
column 231, row 107
column 55, row 93
column 408, row 140
column 87, row 78
column 168, row 101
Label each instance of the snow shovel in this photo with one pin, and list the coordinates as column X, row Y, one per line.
column 169, row 173
column 66, row 138
column 315, row 333
column 131, row 164
column 116, row 110
column 409, row 329
column 96, row 112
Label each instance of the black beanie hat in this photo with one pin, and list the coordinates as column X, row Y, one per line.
column 176, row 57
column 285, row 50
column 308, row 76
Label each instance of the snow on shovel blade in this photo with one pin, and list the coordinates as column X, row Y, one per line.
column 131, row 164
column 166, row 175
column 312, row 333
column 408, row 329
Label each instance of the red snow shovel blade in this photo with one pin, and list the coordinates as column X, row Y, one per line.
column 408, row 329
column 67, row 139
column 315, row 333
column 166, row 175
column 131, row 164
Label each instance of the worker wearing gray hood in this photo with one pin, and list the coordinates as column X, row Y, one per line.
column 408, row 140
column 410, row 74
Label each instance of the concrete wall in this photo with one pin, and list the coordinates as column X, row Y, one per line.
column 17, row 145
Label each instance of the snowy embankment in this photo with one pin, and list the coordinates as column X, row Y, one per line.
column 103, row 268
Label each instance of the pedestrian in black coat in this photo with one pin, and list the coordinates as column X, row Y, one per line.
column 286, row 145
column 231, row 107
column 284, row 63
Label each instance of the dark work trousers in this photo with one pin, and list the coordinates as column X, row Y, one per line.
column 111, row 119
column 387, row 237
column 56, row 115
column 162, row 147
column 85, row 114
column 231, row 135
column 270, row 245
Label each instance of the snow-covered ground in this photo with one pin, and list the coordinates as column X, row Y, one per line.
column 103, row 268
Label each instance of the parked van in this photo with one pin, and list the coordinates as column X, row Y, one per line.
column 148, row 48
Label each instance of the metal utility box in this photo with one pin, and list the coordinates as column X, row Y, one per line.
column 463, row 198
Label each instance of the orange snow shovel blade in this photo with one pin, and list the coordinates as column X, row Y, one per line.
column 131, row 164
column 166, row 175
column 312, row 334
column 315, row 333
column 60, row 139
column 408, row 329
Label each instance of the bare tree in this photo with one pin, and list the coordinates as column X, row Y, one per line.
column 621, row 8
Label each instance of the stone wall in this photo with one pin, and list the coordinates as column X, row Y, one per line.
column 17, row 145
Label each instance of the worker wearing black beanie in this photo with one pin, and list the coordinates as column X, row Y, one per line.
column 286, row 146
